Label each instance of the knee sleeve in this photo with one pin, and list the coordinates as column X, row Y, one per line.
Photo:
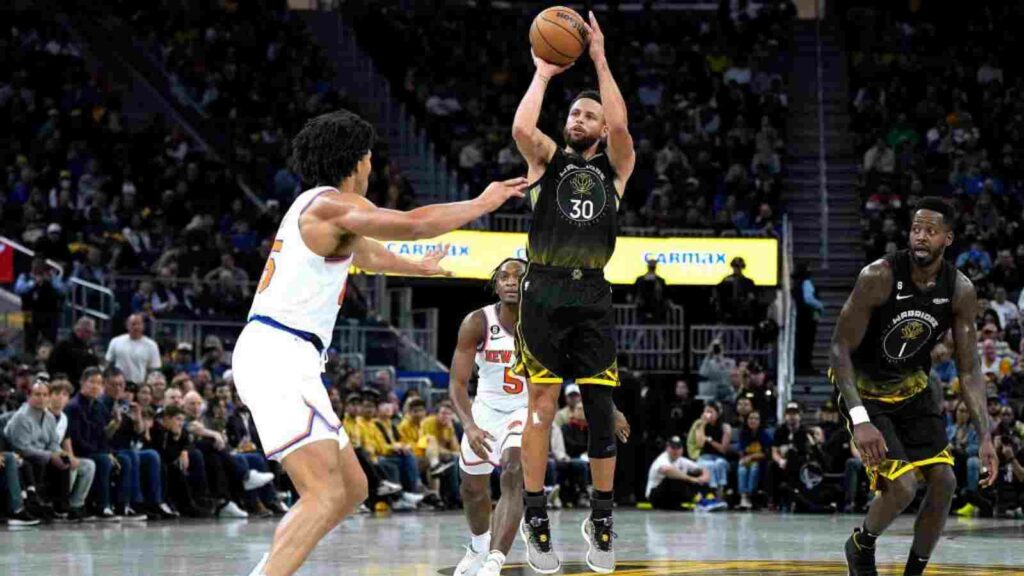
column 600, row 412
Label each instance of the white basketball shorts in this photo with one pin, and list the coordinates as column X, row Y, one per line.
column 277, row 375
column 507, row 429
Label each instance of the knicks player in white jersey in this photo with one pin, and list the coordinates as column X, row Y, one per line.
column 279, row 355
column 493, row 423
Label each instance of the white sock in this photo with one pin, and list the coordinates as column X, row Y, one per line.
column 481, row 543
column 497, row 556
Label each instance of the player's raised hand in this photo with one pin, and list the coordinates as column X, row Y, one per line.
column 431, row 262
column 596, row 47
column 870, row 443
column 989, row 462
column 477, row 439
column 497, row 193
column 547, row 69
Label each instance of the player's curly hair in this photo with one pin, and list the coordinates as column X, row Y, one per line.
column 328, row 148
column 492, row 284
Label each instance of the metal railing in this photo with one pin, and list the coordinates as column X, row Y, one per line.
column 84, row 298
column 521, row 223
column 738, row 343
column 407, row 348
column 650, row 347
column 510, row 222
column 787, row 334
column 822, row 152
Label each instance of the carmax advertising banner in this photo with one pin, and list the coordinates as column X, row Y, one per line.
column 689, row 261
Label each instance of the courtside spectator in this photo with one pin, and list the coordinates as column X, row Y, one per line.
column 83, row 470
column 755, row 446
column 134, row 353
column 572, row 400
column 228, row 478
column 73, row 355
column 88, row 428
column 440, row 427
column 12, row 505
column 186, row 486
column 142, row 480
column 709, row 439
column 963, row 443
column 673, row 481
column 32, row 432
column 424, row 446
column 680, row 411
column 397, row 469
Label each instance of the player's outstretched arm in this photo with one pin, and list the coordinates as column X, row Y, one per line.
column 354, row 214
column 972, row 383
column 372, row 256
column 536, row 147
column 620, row 144
column 471, row 335
column 871, row 290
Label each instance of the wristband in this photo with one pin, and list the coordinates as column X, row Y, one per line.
column 859, row 415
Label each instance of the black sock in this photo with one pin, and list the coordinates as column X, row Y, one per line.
column 601, row 505
column 536, row 505
column 866, row 538
column 915, row 565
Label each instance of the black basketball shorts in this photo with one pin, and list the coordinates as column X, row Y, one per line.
column 566, row 327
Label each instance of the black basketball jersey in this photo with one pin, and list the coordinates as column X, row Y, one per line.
column 894, row 358
column 574, row 213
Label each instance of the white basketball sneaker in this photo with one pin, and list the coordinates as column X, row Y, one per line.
column 470, row 563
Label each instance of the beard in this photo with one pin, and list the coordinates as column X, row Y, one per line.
column 579, row 144
column 931, row 257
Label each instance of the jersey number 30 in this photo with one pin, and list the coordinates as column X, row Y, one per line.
column 582, row 209
column 513, row 383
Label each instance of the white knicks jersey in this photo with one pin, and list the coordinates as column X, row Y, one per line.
column 299, row 288
column 497, row 388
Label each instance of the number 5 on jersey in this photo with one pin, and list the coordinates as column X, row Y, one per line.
column 513, row 383
column 268, row 270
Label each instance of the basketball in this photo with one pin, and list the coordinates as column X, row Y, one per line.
column 558, row 36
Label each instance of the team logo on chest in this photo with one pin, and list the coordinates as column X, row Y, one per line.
column 581, row 194
column 908, row 333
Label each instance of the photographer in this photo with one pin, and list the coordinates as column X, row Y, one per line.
column 142, row 482
column 41, row 295
column 717, row 370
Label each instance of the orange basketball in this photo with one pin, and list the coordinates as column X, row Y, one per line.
column 557, row 35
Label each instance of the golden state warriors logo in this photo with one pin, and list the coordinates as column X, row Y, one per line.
column 581, row 195
column 908, row 334
column 582, row 183
column 750, row 568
